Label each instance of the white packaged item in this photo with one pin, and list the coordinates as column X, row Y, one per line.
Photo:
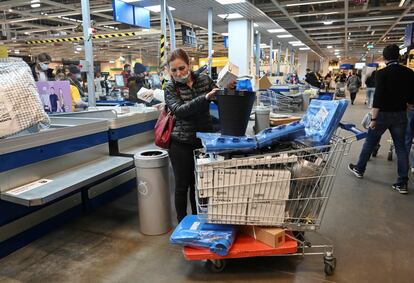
column 227, row 210
column 227, row 74
column 266, row 212
column 20, row 105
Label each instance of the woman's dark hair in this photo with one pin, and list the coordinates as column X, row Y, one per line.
column 179, row 54
column 42, row 57
column 391, row 52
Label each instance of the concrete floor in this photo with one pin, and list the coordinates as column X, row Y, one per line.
column 369, row 224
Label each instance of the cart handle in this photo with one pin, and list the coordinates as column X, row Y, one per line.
column 359, row 135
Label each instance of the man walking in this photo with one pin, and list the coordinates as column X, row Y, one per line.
column 393, row 94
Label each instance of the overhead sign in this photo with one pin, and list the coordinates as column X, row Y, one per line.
column 189, row 36
column 226, row 42
column 130, row 14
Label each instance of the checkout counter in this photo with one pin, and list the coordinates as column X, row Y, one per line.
column 82, row 161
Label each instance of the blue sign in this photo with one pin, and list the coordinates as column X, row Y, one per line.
column 346, row 67
column 123, row 12
column 130, row 14
column 226, row 42
column 142, row 17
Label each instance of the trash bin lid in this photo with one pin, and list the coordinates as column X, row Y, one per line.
column 152, row 158
column 260, row 109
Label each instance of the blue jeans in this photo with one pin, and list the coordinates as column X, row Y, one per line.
column 409, row 135
column 396, row 123
column 370, row 96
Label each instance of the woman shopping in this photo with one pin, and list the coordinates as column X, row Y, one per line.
column 353, row 84
column 188, row 97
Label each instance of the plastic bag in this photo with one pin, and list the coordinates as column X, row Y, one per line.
column 192, row 232
column 20, row 105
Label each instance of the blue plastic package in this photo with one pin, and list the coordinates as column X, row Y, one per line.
column 322, row 119
column 195, row 233
column 244, row 85
column 215, row 142
column 280, row 133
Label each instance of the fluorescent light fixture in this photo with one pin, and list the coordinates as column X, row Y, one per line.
column 255, row 25
column 336, row 50
column 327, row 23
column 16, row 51
column 373, row 19
column 225, row 34
column 230, row 16
column 36, row 5
column 276, row 30
column 275, row 50
column 296, row 43
column 304, row 48
column 111, row 61
column 310, row 3
column 35, row 1
column 285, row 36
column 10, row 10
column 315, row 14
column 329, row 46
column 373, row 32
column 401, row 3
column 157, row 8
column 226, row 2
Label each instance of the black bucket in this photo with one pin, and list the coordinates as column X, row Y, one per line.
column 234, row 110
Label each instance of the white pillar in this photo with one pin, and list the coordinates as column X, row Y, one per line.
column 271, row 57
column 210, row 39
column 241, row 45
column 279, row 58
column 303, row 64
column 257, row 55
column 87, row 34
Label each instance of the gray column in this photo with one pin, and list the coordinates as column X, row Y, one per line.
column 258, row 54
column 210, row 39
column 271, row 56
column 172, row 28
column 163, row 23
column 287, row 60
column 279, row 58
column 86, row 21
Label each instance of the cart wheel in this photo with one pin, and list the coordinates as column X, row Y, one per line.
column 389, row 156
column 216, row 265
column 330, row 265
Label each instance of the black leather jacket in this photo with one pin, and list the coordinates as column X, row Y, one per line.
column 190, row 108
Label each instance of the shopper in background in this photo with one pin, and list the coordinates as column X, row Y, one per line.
column 312, row 79
column 393, row 94
column 41, row 71
column 126, row 74
column 98, row 85
column 353, row 84
column 74, row 77
column 370, row 83
column 188, row 97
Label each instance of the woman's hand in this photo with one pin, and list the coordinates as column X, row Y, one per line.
column 212, row 94
column 373, row 125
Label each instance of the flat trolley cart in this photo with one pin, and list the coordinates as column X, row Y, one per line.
column 288, row 189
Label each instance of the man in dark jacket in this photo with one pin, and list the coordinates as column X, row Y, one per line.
column 311, row 79
column 393, row 93
column 370, row 83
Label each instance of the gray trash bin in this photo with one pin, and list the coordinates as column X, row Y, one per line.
column 261, row 118
column 154, row 204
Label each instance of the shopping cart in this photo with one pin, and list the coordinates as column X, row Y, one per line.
column 288, row 189
column 281, row 101
column 340, row 90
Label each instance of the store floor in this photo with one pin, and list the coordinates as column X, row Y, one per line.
column 370, row 225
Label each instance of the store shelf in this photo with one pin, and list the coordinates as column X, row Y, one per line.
column 68, row 181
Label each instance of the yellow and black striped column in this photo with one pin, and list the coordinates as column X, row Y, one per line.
column 162, row 57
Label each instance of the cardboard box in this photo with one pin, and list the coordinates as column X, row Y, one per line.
column 266, row 212
column 274, row 237
column 264, row 83
column 205, row 181
column 271, row 185
column 227, row 74
column 233, row 183
column 227, row 210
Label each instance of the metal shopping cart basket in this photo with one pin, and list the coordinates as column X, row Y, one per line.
column 288, row 189
column 281, row 101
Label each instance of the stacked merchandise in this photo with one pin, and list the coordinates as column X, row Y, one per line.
column 282, row 98
column 284, row 186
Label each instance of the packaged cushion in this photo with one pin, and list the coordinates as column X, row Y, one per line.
column 20, row 105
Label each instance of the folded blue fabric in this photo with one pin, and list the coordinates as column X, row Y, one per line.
column 280, row 133
column 215, row 142
column 195, row 233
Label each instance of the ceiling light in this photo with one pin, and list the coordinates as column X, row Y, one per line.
column 35, row 1
column 329, row 46
column 373, row 32
column 310, row 3
column 157, row 8
column 255, row 25
column 296, row 43
column 336, row 50
column 37, row 5
column 226, row 2
column 401, row 3
column 230, row 16
column 11, row 10
column 16, row 51
column 327, row 23
column 111, row 61
column 373, row 19
column 263, row 45
column 276, row 30
column 315, row 14
column 225, row 34
column 304, row 48
column 285, row 36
